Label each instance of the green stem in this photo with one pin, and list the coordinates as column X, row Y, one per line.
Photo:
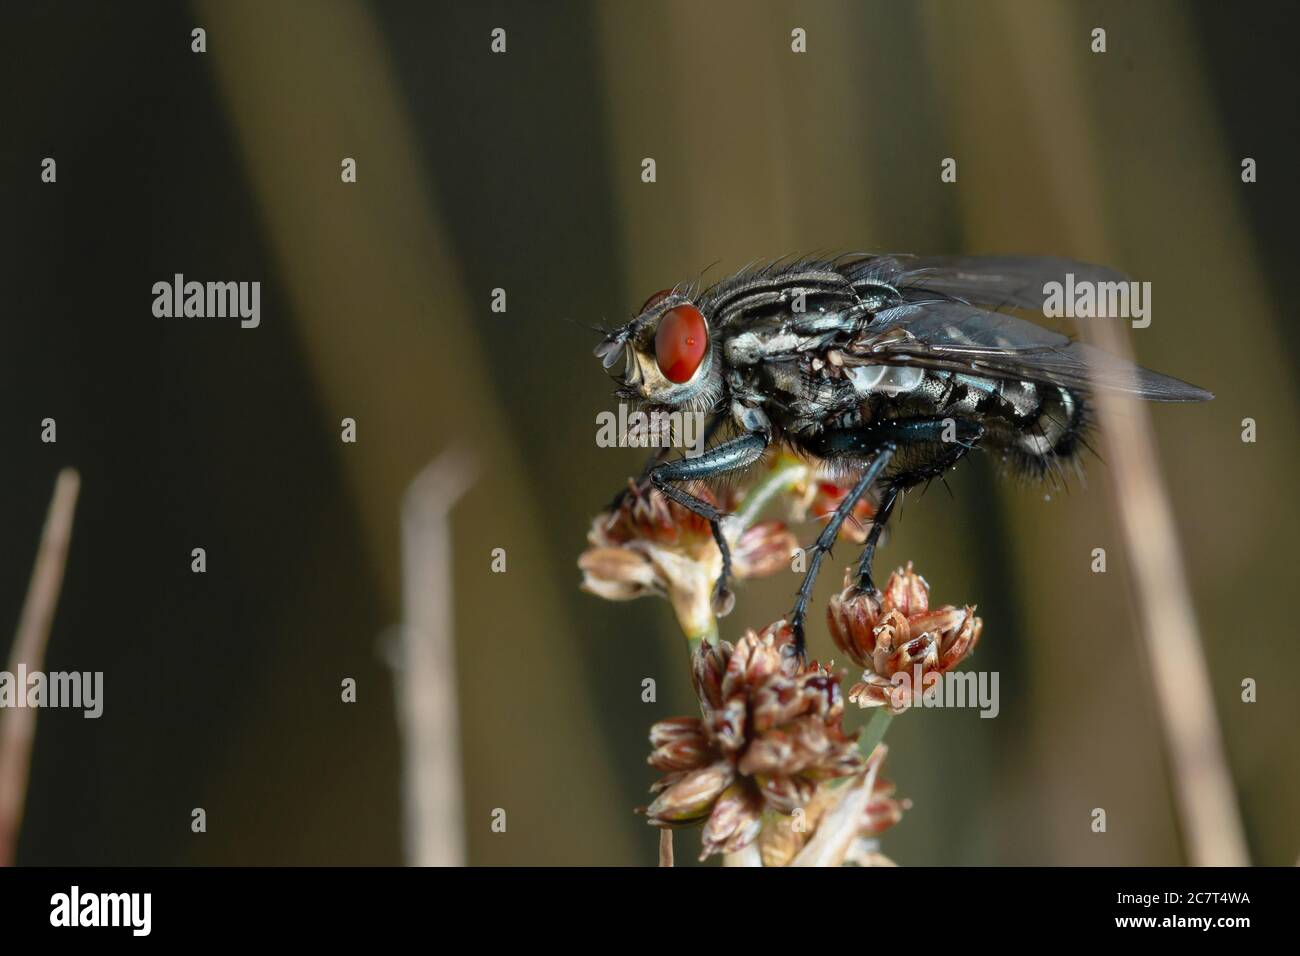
column 693, row 641
column 785, row 474
column 874, row 732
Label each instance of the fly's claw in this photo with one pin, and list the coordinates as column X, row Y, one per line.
column 635, row 488
column 866, row 585
column 724, row 599
column 796, row 648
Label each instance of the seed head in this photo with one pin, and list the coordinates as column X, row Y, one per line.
column 648, row 544
column 897, row 632
column 770, row 733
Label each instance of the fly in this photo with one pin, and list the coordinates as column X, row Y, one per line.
column 888, row 369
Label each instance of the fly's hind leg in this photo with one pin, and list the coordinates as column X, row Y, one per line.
column 878, row 523
column 729, row 456
column 845, row 442
column 878, row 442
column 965, row 433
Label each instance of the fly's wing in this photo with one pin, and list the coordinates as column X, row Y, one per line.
column 1001, row 282
column 955, row 336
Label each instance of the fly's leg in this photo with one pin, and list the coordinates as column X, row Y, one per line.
column 965, row 434
column 710, row 429
column 884, row 451
column 878, row 523
column 655, row 461
column 730, row 456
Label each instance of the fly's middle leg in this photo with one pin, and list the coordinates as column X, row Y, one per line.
column 884, row 451
column 729, row 456
column 960, row 435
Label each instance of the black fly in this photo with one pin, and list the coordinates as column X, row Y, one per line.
column 889, row 369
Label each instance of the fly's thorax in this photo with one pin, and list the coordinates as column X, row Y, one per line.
column 753, row 346
column 795, row 395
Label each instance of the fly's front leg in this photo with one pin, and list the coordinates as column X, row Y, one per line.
column 959, row 433
column 657, row 459
column 730, row 456
column 822, row 547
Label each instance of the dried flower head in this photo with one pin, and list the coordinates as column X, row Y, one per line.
column 648, row 544
column 770, row 734
column 783, row 837
column 897, row 633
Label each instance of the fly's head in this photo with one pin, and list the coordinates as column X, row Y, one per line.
column 665, row 357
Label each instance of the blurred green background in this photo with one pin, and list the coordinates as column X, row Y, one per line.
column 522, row 171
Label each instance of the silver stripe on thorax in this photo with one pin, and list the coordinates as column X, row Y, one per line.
column 751, row 286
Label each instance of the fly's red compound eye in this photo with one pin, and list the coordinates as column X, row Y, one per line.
column 680, row 343
column 654, row 300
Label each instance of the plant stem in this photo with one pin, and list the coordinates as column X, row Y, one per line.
column 710, row 634
column 18, row 728
column 874, row 732
column 785, row 474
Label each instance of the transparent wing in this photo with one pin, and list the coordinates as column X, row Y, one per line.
column 1002, row 282
column 956, row 336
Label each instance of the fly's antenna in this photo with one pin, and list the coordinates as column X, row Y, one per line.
column 598, row 329
column 611, row 343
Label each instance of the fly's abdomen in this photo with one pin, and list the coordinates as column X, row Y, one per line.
column 1053, row 428
column 1038, row 425
column 1033, row 425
